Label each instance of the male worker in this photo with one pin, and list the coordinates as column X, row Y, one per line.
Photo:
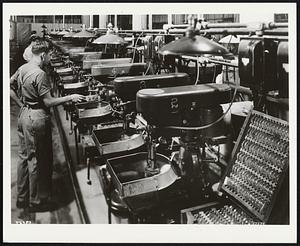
column 27, row 52
column 34, row 129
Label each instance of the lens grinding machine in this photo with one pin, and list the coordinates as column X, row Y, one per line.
column 193, row 115
column 121, row 93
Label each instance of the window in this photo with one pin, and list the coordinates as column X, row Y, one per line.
column 58, row 19
column 147, row 21
column 158, row 21
column 222, row 18
column 73, row 19
column 95, row 20
column 279, row 18
column 178, row 19
column 25, row 18
column 111, row 19
column 124, row 22
column 44, row 19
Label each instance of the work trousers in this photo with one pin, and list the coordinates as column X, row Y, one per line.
column 35, row 161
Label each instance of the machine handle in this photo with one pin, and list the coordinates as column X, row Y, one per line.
column 89, row 182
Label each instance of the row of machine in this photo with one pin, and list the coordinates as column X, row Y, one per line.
column 160, row 137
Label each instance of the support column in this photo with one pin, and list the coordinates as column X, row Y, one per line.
column 85, row 20
column 169, row 19
column 91, row 21
column 150, row 21
column 63, row 21
column 144, row 22
column 200, row 16
column 136, row 22
column 102, row 21
column 116, row 20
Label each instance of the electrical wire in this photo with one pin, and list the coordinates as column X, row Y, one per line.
column 147, row 68
column 206, row 126
column 229, row 42
column 215, row 71
column 134, row 48
column 198, row 70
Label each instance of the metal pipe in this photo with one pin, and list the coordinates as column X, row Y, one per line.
column 226, row 25
column 231, row 25
column 277, row 25
column 237, row 31
column 281, row 31
column 241, row 89
column 213, row 60
column 145, row 31
column 245, row 31
column 223, row 62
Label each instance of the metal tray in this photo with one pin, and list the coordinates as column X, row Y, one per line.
column 57, row 64
column 80, row 88
column 127, row 173
column 64, row 71
column 87, row 105
column 95, row 115
column 65, row 79
column 113, row 140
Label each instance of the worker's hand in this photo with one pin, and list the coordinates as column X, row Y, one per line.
column 77, row 98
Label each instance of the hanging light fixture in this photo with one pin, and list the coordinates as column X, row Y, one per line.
column 83, row 34
column 193, row 44
column 109, row 39
column 70, row 34
column 62, row 33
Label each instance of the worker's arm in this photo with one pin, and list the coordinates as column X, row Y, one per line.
column 43, row 88
column 14, row 97
column 50, row 101
column 13, row 88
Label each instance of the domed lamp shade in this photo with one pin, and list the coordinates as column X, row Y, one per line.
column 62, row 33
column 54, row 32
column 109, row 39
column 195, row 45
column 84, row 34
column 69, row 34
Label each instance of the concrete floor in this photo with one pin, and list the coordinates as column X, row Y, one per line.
column 67, row 212
column 92, row 195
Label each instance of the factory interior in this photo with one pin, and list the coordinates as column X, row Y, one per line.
column 185, row 118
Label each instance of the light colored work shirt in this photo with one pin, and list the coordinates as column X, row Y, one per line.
column 28, row 53
column 32, row 84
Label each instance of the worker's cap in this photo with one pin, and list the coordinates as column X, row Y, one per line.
column 34, row 37
column 39, row 47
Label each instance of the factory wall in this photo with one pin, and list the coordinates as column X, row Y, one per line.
column 260, row 14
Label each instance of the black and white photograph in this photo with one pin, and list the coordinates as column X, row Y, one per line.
column 149, row 122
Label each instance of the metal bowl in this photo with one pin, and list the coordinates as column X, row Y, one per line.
column 128, row 174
